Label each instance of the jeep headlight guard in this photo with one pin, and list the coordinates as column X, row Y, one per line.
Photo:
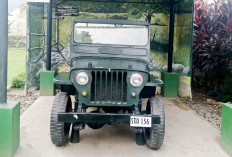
column 136, row 80
column 82, row 78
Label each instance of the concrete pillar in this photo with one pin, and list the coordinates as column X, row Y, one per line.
column 9, row 111
column 10, row 128
column 3, row 50
column 226, row 128
column 170, row 86
column 47, row 87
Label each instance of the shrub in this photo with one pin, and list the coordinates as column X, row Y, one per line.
column 134, row 12
column 225, row 91
column 121, row 17
column 19, row 81
column 212, row 45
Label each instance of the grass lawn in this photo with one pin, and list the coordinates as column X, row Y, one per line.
column 16, row 63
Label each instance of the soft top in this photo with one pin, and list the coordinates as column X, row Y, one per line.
column 112, row 21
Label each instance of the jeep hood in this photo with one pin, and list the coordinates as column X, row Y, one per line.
column 109, row 63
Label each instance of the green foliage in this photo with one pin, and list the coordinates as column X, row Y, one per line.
column 16, row 63
column 19, row 81
column 183, row 35
column 101, row 7
column 134, row 12
column 159, row 57
column 159, row 34
column 157, row 21
column 182, row 38
column 129, row 7
column 16, row 42
column 183, row 20
column 160, row 19
column 138, row 16
column 182, row 54
column 183, row 30
column 185, row 6
column 212, row 57
column 225, row 91
column 121, row 17
column 93, row 7
column 158, row 46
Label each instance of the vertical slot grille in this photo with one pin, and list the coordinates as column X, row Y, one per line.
column 110, row 87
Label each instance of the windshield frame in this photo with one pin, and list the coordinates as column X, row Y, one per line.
column 122, row 22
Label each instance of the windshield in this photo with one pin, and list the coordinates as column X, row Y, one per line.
column 111, row 34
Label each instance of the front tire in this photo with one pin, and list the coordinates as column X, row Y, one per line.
column 59, row 131
column 154, row 136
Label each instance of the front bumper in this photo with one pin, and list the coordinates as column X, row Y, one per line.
column 81, row 117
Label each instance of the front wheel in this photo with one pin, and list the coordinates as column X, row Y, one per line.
column 154, row 136
column 59, row 131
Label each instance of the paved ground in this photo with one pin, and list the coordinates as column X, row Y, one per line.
column 187, row 135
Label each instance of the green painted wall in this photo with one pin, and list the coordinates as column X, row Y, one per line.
column 47, row 87
column 226, row 129
column 9, row 128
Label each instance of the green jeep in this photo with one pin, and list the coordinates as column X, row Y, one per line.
column 109, row 77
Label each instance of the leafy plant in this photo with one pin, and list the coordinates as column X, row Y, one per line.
column 212, row 45
column 19, row 81
column 225, row 91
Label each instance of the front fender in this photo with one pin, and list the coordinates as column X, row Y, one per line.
column 150, row 87
column 154, row 82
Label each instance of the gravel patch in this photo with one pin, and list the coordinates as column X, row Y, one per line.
column 25, row 101
column 205, row 108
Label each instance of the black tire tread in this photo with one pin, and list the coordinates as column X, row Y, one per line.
column 57, row 133
column 158, row 130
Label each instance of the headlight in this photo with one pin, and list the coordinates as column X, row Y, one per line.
column 82, row 78
column 136, row 79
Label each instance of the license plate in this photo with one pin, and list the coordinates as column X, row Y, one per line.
column 138, row 121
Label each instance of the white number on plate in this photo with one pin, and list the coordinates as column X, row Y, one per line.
column 137, row 121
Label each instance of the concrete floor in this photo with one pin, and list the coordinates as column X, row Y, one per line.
column 187, row 135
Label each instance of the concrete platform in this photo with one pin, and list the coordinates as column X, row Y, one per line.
column 187, row 135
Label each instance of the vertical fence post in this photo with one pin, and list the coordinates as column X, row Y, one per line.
column 170, row 79
column 49, row 35
column 171, row 36
column 3, row 50
column 9, row 111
